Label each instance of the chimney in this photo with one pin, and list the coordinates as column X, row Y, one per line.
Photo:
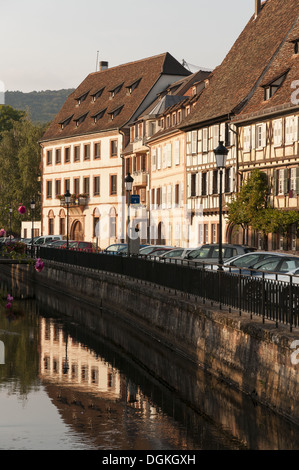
column 103, row 66
column 257, row 7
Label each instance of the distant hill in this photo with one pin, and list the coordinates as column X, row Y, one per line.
column 42, row 106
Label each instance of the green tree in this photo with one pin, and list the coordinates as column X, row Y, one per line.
column 251, row 199
column 8, row 116
column 251, row 208
column 20, row 172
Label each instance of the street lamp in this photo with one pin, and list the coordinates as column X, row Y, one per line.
column 129, row 184
column 67, row 197
column 32, row 205
column 10, row 212
column 221, row 156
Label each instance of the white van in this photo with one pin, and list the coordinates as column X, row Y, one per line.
column 46, row 239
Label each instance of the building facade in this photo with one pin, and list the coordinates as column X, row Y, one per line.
column 247, row 105
column 82, row 149
column 160, row 123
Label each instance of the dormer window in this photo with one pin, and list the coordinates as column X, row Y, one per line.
column 96, row 117
column 115, row 90
column 80, row 119
column 97, row 95
column 115, row 112
column 132, row 86
column 296, row 46
column 271, row 88
column 82, row 98
column 64, row 123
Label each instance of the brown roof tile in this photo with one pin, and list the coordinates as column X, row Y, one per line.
column 285, row 62
column 246, row 63
column 146, row 72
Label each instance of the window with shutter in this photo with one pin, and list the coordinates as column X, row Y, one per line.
column 164, row 157
column 169, row 154
column 204, row 184
column 205, row 140
column 291, row 129
column 154, row 159
column 169, row 189
column 297, row 180
column 177, row 152
column 193, row 184
column 277, row 132
column 246, row 138
column 163, row 197
column 215, row 136
column 293, row 177
column 260, row 134
column 194, row 142
column 159, row 158
column 189, row 185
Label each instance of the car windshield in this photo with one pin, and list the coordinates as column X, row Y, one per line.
column 146, row 250
column 173, row 253
column 202, row 252
column 247, row 260
column 113, row 248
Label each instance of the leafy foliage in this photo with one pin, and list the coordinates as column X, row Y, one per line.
column 41, row 106
column 20, row 168
column 250, row 208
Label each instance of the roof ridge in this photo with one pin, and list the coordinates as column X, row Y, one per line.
column 146, row 59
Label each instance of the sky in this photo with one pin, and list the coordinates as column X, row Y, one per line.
column 54, row 44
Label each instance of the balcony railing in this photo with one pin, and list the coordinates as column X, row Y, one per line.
column 138, row 145
column 140, row 178
column 75, row 201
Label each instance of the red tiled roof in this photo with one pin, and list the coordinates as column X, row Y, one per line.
column 233, row 82
column 146, row 72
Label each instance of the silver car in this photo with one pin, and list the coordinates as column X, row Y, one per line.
column 209, row 253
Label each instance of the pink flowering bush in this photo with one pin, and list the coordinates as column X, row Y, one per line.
column 9, row 301
column 39, row 265
column 22, row 209
column 2, row 232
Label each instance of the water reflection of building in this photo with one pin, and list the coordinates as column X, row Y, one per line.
column 63, row 359
column 93, row 397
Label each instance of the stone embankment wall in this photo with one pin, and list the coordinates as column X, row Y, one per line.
column 258, row 359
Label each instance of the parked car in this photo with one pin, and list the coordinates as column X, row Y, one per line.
column 57, row 244
column 81, row 245
column 175, row 254
column 154, row 250
column 249, row 260
column 209, row 253
column 114, row 249
column 124, row 250
column 45, row 239
column 277, row 267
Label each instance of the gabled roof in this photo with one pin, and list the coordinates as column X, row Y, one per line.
column 285, row 65
column 235, row 80
column 166, row 102
column 174, row 94
column 96, row 91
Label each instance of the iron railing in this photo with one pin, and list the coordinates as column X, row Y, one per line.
column 271, row 299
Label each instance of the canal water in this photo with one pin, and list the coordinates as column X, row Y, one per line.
column 68, row 382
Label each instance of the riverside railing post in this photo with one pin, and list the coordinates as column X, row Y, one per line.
column 32, row 205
